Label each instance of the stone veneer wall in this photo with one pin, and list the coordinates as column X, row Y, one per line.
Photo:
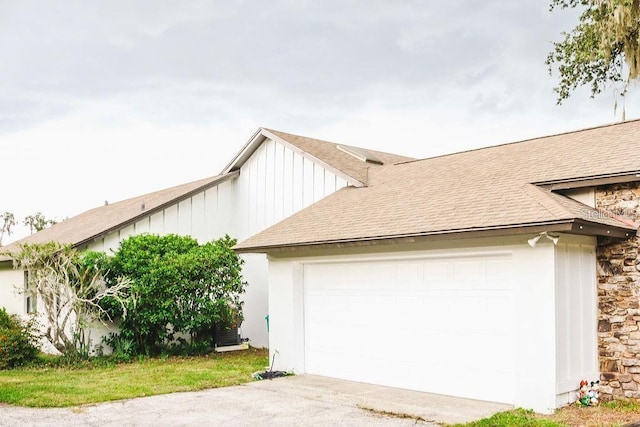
column 619, row 297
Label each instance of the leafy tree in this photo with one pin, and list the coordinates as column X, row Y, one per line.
column 603, row 48
column 177, row 286
column 69, row 286
column 37, row 222
column 8, row 221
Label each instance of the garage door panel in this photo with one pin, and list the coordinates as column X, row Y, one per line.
column 437, row 274
column 428, row 325
column 411, row 274
column 468, row 274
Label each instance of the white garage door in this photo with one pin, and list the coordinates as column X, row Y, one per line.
column 437, row 325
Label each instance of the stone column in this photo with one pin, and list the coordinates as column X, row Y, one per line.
column 619, row 297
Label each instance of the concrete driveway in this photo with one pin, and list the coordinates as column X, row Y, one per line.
column 298, row 400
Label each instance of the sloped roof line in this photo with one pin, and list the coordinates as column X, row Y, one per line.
column 259, row 137
column 350, row 179
column 321, row 152
column 490, row 187
column 216, row 180
column 249, row 147
column 101, row 221
column 565, row 225
column 524, row 141
column 554, row 202
column 543, row 199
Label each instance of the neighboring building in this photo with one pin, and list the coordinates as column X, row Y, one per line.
column 507, row 274
column 273, row 176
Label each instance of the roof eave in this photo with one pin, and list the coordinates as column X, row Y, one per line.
column 568, row 226
column 245, row 152
column 591, row 181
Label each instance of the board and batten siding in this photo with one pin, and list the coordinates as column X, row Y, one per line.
column 576, row 317
column 205, row 216
column 274, row 183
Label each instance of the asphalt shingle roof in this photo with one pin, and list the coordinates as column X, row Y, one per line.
column 328, row 152
column 100, row 221
column 105, row 219
column 489, row 188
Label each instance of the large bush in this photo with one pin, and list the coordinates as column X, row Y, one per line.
column 177, row 287
column 18, row 341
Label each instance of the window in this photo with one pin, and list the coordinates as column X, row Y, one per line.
column 30, row 298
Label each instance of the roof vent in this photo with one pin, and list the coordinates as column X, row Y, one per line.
column 360, row 154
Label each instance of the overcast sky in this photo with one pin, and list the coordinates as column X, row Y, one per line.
column 106, row 100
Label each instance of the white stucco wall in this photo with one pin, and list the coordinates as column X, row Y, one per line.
column 11, row 286
column 536, row 373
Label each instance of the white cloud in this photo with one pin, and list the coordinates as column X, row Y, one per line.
column 107, row 100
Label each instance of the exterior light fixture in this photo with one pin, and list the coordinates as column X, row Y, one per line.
column 534, row 240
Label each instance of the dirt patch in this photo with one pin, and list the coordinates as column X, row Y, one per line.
column 610, row 414
column 393, row 414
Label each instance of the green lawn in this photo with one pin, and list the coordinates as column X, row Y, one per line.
column 58, row 387
column 514, row 418
column 608, row 414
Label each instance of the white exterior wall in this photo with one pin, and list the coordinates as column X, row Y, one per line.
column 204, row 216
column 11, row 287
column 577, row 317
column 274, row 183
column 534, row 298
column 586, row 195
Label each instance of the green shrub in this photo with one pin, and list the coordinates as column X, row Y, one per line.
column 18, row 340
column 180, row 291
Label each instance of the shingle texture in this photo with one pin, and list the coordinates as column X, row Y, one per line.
column 480, row 189
column 102, row 220
column 98, row 221
column 327, row 152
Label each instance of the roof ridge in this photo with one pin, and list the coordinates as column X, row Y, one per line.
column 540, row 194
column 279, row 132
column 119, row 208
column 560, row 201
column 522, row 141
column 167, row 189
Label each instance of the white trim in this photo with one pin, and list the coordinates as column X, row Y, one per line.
column 351, row 180
column 258, row 138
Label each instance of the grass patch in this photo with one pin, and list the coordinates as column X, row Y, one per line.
column 615, row 413
column 515, row 417
column 623, row 405
column 101, row 382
